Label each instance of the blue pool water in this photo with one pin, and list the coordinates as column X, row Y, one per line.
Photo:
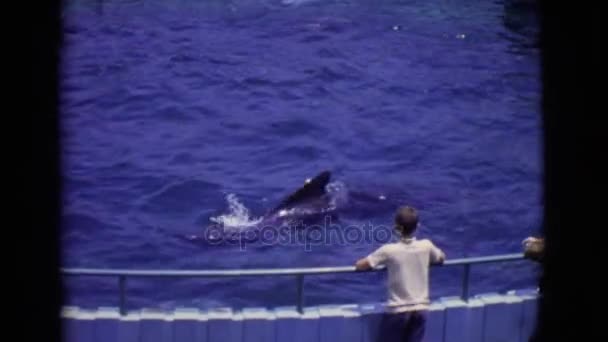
column 173, row 111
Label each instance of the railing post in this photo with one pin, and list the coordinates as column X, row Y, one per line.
column 465, row 282
column 121, row 285
column 300, row 289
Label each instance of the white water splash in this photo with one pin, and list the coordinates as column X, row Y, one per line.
column 237, row 217
column 338, row 194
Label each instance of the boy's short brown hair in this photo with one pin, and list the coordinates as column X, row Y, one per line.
column 406, row 220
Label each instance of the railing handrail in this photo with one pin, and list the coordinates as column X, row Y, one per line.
column 299, row 273
column 264, row 272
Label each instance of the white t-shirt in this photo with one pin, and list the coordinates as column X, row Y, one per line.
column 407, row 263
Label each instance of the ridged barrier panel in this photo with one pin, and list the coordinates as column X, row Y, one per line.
column 508, row 317
column 490, row 317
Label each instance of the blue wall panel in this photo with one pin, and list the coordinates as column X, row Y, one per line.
column 489, row 318
column 128, row 329
column 475, row 317
column 307, row 327
column 107, row 321
column 155, row 326
column 529, row 312
column 224, row 325
column 339, row 323
column 292, row 326
column 78, row 325
column 435, row 323
column 371, row 317
column 285, row 323
column 501, row 317
column 258, row 325
column 189, row 325
column 528, row 324
column 353, row 329
column 456, row 319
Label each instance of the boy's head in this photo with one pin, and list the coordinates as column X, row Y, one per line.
column 406, row 220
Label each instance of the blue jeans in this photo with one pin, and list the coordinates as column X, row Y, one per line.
column 402, row 327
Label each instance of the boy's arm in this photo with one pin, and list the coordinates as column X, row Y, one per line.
column 437, row 255
column 377, row 258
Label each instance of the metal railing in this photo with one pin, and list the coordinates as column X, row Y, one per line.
column 299, row 274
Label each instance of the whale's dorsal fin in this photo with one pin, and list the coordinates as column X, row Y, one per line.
column 312, row 188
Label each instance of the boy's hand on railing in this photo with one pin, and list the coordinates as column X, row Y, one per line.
column 439, row 262
column 362, row 265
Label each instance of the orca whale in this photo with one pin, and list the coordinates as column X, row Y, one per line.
column 310, row 199
column 308, row 204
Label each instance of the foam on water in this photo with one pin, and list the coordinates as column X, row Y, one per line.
column 238, row 217
column 338, row 194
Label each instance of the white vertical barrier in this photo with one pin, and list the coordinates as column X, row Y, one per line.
column 353, row 329
column 371, row 318
column 489, row 317
column 501, row 317
column 463, row 320
column 529, row 311
column 292, row 326
column 285, row 323
column 68, row 323
column 258, row 325
column 475, row 314
column 516, row 312
column 155, row 326
column 107, row 321
column 128, row 329
column 224, row 325
column 339, row 323
column 435, row 323
column 78, row 324
column 189, row 325
column 456, row 319
column 307, row 327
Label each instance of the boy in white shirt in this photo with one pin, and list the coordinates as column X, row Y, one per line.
column 407, row 262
